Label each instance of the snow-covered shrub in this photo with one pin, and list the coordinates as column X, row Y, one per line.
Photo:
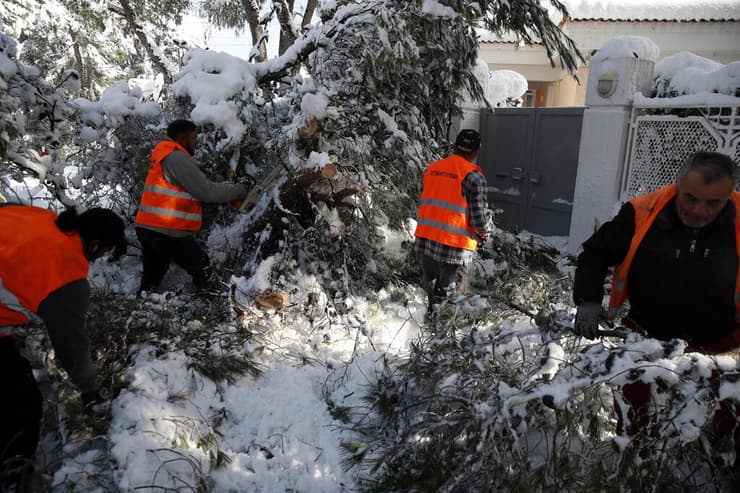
column 685, row 73
column 488, row 401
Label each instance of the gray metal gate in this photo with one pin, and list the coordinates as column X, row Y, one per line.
column 530, row 159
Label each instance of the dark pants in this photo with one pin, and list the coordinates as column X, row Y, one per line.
column 20, row 415
column 159, row 250
column 436, row 277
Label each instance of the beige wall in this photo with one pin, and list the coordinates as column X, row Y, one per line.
column 568, row 91
column 563, row 92
column 552, row 86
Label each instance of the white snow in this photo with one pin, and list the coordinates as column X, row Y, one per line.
column 212, row 81
column 314, row 106
column 505, row 84
column 498, row 85
column 680, row 10
column 692, row 74
column 436, row 9
column 277, row 429
column 627, row 47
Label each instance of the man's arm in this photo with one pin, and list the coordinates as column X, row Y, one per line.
column 475, row 191
column 63, row 313
column 179, row 169
column 607, row 247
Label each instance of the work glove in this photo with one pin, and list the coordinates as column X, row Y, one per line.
column 248, row 181
column 588, row 316
column 118, row 251
column 94, row 403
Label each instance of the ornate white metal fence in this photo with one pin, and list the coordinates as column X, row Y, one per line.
column 661, row 137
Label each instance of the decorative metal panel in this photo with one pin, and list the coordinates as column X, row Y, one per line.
column 662, row 137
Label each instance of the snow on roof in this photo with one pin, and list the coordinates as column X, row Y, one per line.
column 632, row 11
column 655, row 10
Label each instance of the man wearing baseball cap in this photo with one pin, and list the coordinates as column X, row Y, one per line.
column 452, row 218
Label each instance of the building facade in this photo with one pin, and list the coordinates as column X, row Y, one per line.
column 710, row 29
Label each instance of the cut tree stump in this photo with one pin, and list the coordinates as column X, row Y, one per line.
column 271, row 299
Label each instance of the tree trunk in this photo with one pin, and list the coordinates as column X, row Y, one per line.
column 308, row 14
column 252, row 12
column 130, row 16
column 85, row 84
column 287, row 34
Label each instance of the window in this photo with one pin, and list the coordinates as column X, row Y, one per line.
column 528, row 99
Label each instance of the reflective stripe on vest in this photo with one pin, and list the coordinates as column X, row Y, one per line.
column 443, row 210
column 11, row 302
column 36, row 259
column 647, row 208
column 163, row 204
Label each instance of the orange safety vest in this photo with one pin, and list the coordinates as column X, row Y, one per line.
column 647, row 207
column 164, row 205
column 443, row 210
column 36, row 259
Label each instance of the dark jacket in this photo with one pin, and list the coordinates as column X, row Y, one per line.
column 63, row 312
column 682, row 280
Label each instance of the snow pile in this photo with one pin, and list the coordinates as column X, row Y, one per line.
column 436, row 9
column 504, row 86
column 680, row 79
column 218, row 84
column 627, row 47
column 501, row 88
column 685, row 73
column 118, row 102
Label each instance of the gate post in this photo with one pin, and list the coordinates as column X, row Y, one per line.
column 613, row 78
column 470, row 119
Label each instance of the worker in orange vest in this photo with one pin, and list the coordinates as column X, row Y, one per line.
column 676, row 254
column 44, row 260
column 452, row 218
column 170, row 213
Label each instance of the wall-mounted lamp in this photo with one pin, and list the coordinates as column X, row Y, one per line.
column 606, row 85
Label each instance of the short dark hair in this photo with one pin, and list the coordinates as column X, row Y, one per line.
column 179, row 127
column 97, row 223
column 713, row 166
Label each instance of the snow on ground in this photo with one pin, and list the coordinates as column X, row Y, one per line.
column 277, row 429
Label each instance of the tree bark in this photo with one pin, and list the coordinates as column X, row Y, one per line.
column 287, row 33
column 308, row 14
column 252, row 13
column 130, row 16
column 85, row 84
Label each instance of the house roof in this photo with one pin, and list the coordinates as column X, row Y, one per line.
column 634, row 11
column 653, row 10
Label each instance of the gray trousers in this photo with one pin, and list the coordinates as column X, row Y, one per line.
column 437, row 276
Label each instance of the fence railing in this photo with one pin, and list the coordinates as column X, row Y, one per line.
column 661, row 136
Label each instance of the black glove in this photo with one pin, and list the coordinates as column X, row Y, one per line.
column 118, row 251
column 588, row 316
column 93, row 402
column 248, row 181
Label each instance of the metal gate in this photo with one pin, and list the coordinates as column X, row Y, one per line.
column 530, row 159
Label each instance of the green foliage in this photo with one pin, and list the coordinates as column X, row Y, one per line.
column 196, row 326
column 220, row 367
column 488, row 403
